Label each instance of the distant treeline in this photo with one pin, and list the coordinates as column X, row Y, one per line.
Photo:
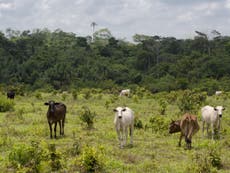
column 41, row 59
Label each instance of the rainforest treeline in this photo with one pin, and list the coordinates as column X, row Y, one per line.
column 44, row 59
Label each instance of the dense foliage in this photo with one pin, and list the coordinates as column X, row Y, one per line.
column 60, row 60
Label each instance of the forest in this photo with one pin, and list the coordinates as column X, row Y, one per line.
column 47, row 60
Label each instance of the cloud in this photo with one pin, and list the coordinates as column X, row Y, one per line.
column 123, row 18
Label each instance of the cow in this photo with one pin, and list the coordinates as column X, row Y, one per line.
column 218, row 93
column 125, row 92
column 188, row 126
column 124, row 119
column 56, row 114
column 10, row 94
column 211, row 116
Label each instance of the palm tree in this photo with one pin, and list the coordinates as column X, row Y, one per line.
column 93, row 24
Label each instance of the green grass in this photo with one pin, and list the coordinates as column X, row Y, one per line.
column 152, row 151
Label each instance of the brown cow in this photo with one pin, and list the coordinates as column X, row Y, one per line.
column 56, row 113
column 188, row 126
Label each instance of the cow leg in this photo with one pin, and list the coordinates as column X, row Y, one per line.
column 63, row 124
column 181, row 135
column 50, row 125
column 213, row 131
column 203, row 128
column 188, row 142
column 126, row 135
column 55, row 128
column 131, row 134
column 60, row 126
column 119, row 136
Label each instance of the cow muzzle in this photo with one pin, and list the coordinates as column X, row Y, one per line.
column 220, row 115
column 120, row 117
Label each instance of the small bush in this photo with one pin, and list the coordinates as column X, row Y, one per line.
column 74, row 94
column 6, row 104
column 27, row 156
column 87, row 116
column 54, row 157
column 163, row 105
column 138, row 123
column 91, row 160
column 191, row 101
column 158, row 124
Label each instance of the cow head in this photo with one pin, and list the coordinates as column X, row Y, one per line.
column 119, row 111
column 219, row 110
column 174, row 126
column 51, row 105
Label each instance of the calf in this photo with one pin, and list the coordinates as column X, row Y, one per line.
column 125, row 92
column 212, row 116
column 188, row 126
column 56, row 114
column 10, row 94
column 124, row 119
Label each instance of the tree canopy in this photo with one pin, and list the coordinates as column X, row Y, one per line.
column 61, row 60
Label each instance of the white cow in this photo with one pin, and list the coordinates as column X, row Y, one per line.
column 125, row 92
column 211, row 116
column 124, row 119
column 218, row 93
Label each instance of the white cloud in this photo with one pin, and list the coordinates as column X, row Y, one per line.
column 123, row 18
column 6, row 5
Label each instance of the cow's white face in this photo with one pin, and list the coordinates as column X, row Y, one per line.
column 119, row 111
column 219, row 110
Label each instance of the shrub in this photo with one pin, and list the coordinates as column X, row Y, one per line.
column 138, row 123
column 190, row 101
column 54, row 157
column 28, row 156
column 87, row 116
column 158, row 124
column 6, row 104
column 163, row 105
column 75, row 94
column 91, row 160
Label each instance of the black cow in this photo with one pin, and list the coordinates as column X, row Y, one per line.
column 56, row 114
column 10, row 94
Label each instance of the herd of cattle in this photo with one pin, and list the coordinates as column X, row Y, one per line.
column 124, row 120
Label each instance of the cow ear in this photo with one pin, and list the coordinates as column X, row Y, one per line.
column 215, row 109
column 114, row 110
column 56, row 103
column 124, row 109
column 223, row 108
column 46, row 103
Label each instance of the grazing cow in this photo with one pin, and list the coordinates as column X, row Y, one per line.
column 125, row 92
column 56, row 114
column 10, row 94
column 218, row 93
column 188, row 126
column 211, row 116
column 124, row 119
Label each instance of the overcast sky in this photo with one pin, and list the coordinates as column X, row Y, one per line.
column 124, row 18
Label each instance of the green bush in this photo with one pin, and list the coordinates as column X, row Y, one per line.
column 158, row 124
column 6, row 104
column 91, row 160
column 28, row 156
column 191, row 101
column 87, row 116
column 163, row 105
column 138, row 123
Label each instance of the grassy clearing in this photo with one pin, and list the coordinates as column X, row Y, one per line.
column 25, row 130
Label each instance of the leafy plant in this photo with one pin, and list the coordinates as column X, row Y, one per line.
column 87, row 116
column 91, row 160
column 6, row 104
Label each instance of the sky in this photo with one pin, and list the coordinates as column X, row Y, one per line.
column 123, row 18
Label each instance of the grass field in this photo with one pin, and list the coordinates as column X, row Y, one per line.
column 25, row 145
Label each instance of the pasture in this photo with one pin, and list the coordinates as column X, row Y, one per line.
column 25, row 144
